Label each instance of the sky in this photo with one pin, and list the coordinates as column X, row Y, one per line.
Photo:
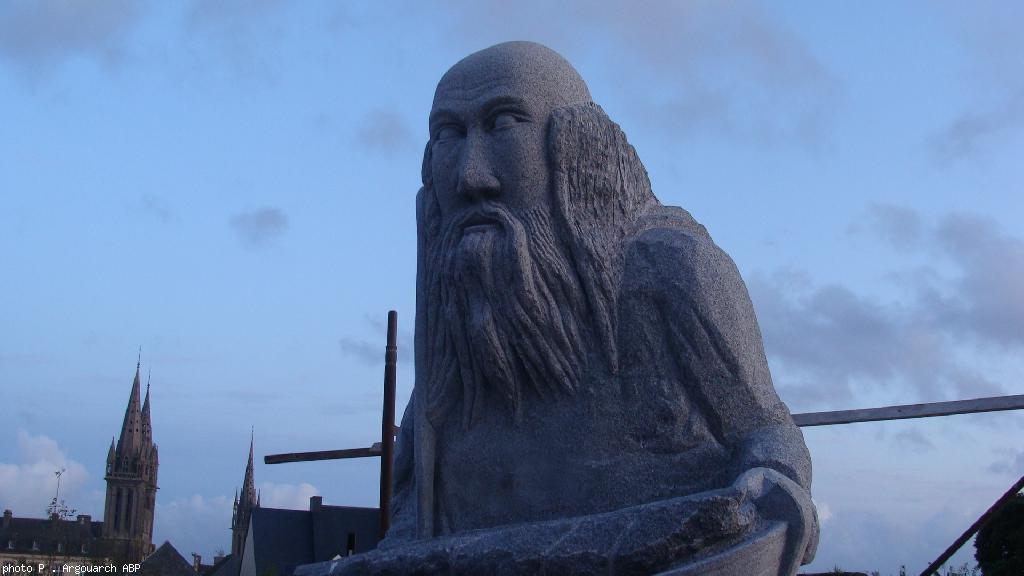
column 230, row 185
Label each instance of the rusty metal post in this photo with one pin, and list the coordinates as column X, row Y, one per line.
column 387, row 439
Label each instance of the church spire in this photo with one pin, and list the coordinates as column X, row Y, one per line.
column 248, row 483
column 131, row 428
column 147, row 426
column 245, row 502
column 131, row 477
column 110, row 456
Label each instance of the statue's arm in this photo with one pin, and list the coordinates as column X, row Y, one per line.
column 715, row 343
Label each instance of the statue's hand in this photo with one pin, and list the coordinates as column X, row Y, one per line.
column 779, row 498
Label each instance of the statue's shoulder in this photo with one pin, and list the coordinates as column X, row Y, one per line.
column 668, row 218
column 669, row 241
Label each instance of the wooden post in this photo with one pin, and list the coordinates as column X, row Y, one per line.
column 387, row 439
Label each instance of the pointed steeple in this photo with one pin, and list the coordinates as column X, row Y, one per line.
column 248, row 483
column 244, row 504
column 110, row 456
column 147, row 426
column 131, row 428
column 132, row 465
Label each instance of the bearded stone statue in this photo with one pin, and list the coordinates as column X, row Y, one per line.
column 592, row 394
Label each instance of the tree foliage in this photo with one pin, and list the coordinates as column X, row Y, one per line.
column 999, row 547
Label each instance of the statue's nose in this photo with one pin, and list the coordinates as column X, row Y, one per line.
column 476, row 177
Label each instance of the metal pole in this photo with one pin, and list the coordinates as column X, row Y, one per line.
column 978, row 525
column 387, row 439
column 905, row 411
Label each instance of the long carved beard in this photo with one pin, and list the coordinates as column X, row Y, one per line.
column 512, row 313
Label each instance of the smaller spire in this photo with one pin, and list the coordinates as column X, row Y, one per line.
column 145, row 405
column 259, row 494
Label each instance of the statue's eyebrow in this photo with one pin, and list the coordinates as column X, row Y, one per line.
column 442, row 116
column 505, row 101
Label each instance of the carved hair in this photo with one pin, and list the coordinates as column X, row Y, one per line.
column 601, row 189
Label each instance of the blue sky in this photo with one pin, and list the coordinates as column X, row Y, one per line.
column 230, row 185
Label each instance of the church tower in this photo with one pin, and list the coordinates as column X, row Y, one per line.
column 131, row 481
column 244, row 505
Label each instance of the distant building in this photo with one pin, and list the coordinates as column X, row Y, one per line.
column 35, row 541
column 279, row 540
column 126, row 532
column 166, row 561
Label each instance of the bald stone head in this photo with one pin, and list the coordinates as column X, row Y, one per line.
column 533, row 70
column 488, row 126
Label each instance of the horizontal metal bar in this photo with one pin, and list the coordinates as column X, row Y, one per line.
column 372, row 451
column 906, row 411
column 902, row 412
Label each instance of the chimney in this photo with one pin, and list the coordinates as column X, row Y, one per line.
column 85, row 520
column 218, row 558
column 315, row 502
column 197, row 561
column 7, row 518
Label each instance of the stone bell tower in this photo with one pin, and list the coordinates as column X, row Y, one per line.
column 131, row 482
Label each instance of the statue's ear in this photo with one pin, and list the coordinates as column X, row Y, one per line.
column 425, row 173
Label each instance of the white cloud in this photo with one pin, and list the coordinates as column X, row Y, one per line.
column 197, row 523
column 201, row 524
column 290, row 496
column 27, row 487
column 824, row 512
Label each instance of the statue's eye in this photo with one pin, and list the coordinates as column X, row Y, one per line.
column 447, row 132
column 503, row 120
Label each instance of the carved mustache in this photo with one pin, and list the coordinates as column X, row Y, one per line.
column 485, row 214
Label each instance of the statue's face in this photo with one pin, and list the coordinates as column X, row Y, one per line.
column 488, row 133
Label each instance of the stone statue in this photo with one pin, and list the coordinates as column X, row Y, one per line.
column 592, row 394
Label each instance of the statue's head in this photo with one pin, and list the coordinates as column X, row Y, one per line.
column 529, row 191
column 489, row 126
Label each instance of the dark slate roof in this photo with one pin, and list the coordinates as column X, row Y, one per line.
column 285, row 539
column 166, row 561
column 17, row 535
column 281, row 538
column 228, row 566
